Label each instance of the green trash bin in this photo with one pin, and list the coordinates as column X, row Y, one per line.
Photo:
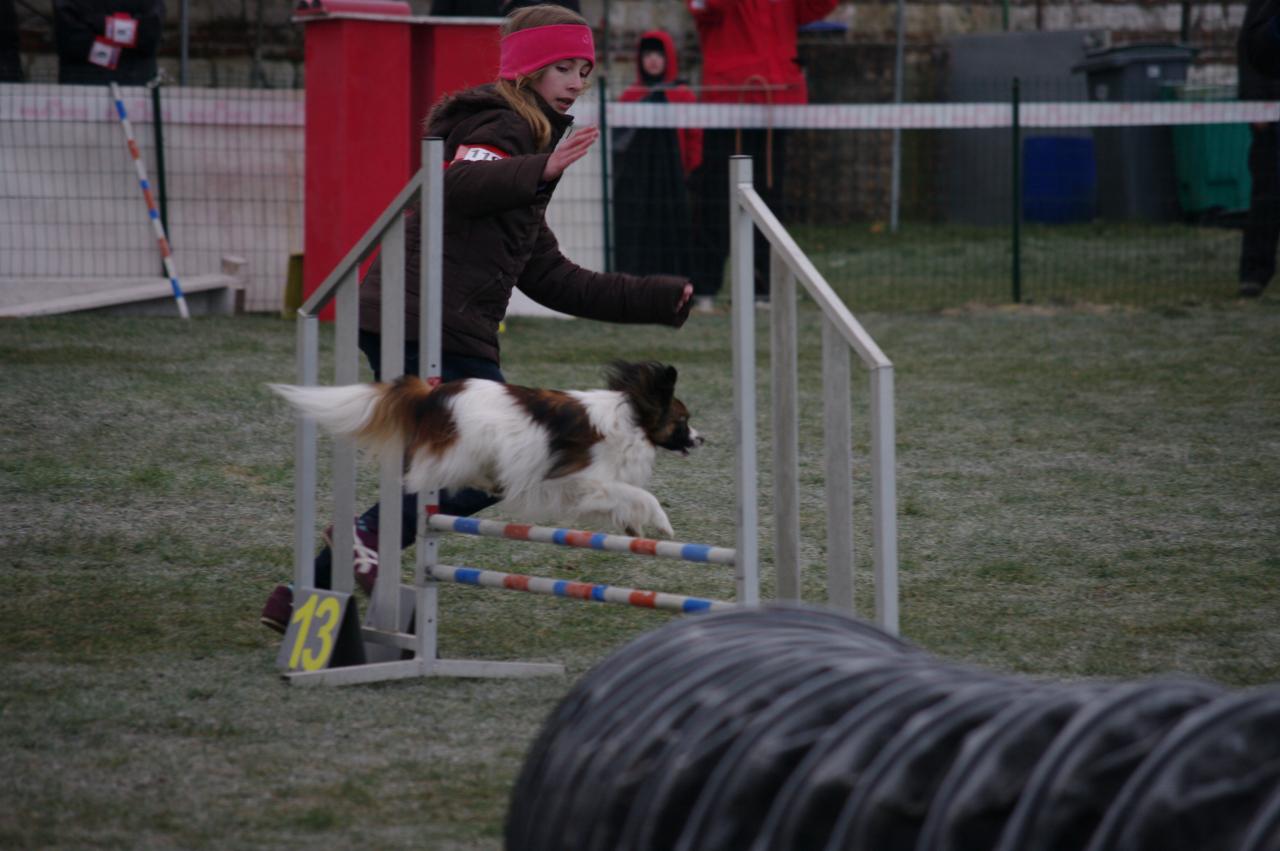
column 1211, row 160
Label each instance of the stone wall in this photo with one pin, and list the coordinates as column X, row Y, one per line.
column 254, row 42
column 232, row 45
column 229, row 43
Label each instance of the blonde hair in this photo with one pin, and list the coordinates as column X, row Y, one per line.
column 519, row 92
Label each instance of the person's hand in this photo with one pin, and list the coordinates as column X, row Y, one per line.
column 684, row 297
column 569, row 152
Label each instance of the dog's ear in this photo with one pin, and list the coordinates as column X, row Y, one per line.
column 650, row 386
column 662, row 379
column 650, row 378
column 618, row 374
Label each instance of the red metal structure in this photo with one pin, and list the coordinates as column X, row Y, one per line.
column 373, row 71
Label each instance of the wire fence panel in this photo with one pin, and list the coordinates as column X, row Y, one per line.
column 70, row 206
column 1114, row 202
column 1087, row 223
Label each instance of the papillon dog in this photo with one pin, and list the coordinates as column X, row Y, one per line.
column 551, row 456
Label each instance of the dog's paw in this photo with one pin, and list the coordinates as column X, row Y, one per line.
column 663, row 530
column 664, row 527
column 651, row 516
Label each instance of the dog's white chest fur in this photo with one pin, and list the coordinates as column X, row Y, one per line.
column 625, row 450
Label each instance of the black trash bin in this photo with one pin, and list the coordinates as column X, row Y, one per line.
column 1137, row 180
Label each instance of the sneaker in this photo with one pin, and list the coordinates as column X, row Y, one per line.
column 365, row 561
column 279, row 609
column 704, row 304
column 1251, row 289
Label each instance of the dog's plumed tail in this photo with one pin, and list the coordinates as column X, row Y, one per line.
column 379, row 416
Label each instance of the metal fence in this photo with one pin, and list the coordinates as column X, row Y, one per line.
column 933, row 205
column 226, row 166
column 913, row 206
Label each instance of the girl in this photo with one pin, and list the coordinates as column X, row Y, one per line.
column 505, row 156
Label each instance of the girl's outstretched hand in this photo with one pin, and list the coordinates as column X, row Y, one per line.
column 569, row 152
column 684, row 297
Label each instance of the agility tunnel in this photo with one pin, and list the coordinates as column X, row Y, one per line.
column 795, row 728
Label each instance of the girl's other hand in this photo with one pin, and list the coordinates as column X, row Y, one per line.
column 569, row 151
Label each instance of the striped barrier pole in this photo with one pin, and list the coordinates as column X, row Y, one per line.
column 165, row 253
column 583, row 540
column 576, row 590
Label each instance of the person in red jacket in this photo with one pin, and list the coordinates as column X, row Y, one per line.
column 650, row 167
column 748, row 56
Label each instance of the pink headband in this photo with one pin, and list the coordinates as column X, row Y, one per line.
column 526, row 51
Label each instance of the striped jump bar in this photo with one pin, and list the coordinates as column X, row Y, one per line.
column 578, row 590
column 166, row 254
column 582, row 540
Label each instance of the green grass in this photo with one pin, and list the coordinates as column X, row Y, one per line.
column 1082, row 493
column 936, row 266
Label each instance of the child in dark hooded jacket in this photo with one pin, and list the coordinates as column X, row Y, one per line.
column 651, row 166
column 505, row 147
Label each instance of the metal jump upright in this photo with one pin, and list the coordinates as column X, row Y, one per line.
column 840, row 332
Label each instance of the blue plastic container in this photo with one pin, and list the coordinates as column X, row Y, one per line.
column 1059, row 179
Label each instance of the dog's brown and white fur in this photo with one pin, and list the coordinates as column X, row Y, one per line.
column 553, row 456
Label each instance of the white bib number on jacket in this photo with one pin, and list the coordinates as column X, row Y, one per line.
column 478, row 153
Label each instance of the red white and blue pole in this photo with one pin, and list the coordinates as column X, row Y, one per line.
column 580, row 590
column 166, row 254
column 582, row 540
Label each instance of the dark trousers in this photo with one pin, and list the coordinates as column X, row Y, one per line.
column 464, row 503
column 711, row 203
column 1262, row 227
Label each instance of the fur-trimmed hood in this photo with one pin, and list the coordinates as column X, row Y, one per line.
column 453, row 109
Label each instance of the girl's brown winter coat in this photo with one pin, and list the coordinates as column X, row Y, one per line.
column 496, row 237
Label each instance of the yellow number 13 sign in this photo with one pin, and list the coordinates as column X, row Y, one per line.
column 316, row 632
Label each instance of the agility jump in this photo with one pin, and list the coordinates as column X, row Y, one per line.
column 387, row 625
